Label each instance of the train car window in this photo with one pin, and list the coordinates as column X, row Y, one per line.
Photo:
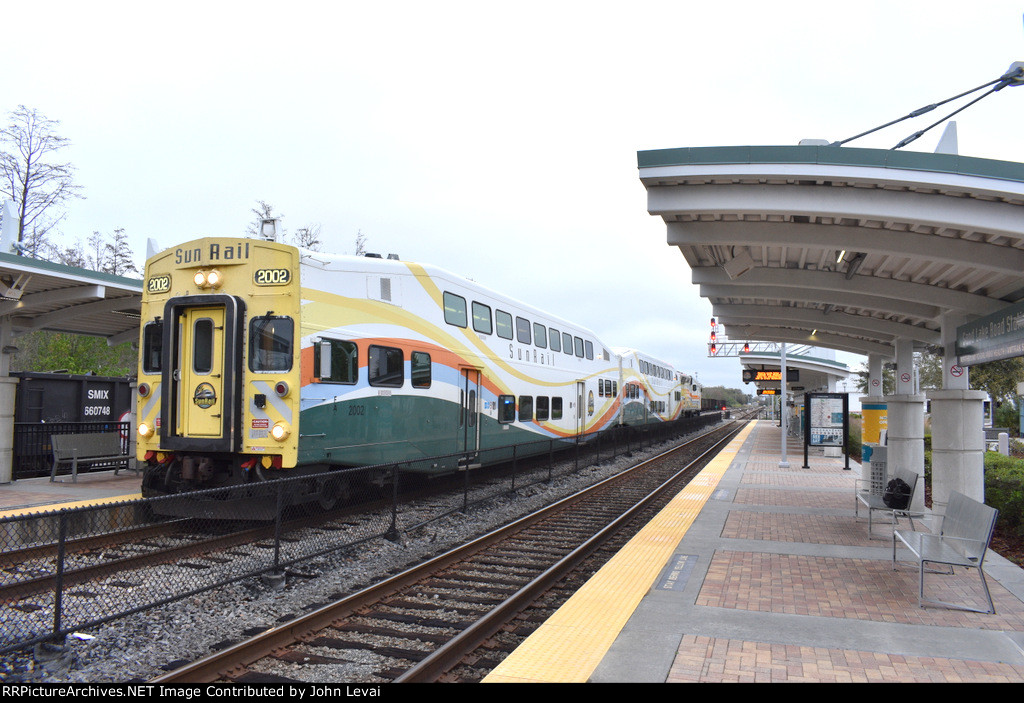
column 600, row 388
column 482, row 318
column 202, row 345
column 336, row 361
column 590, row 350
column 523, row 330
column 386, row 367
column 678, row 396
column 555, row 339
column 421, row 369
column 542, row 407
column 506, row 408
column 578, row 346
column 454, row 309
column 567, row 343
column 540, row 335
column 270, row 343
column 525, row 408
column 556, row 408
column 503, row 323
column 152, row 347
column 615, row 389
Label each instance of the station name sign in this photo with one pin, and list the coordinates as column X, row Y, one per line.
column 991, row 338
column 754, row 375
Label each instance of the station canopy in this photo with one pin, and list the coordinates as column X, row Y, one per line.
column 41, row 295
column 838, row 247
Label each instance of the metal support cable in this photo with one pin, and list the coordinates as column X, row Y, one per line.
column 1013, row 77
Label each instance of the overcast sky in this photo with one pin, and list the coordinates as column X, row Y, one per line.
column 497, row 140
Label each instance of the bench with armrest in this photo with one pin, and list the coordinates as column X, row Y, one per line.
column 876, row 503
column 86, row 448
column 962, row 541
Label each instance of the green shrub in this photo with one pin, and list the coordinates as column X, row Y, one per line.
column 1004, row 490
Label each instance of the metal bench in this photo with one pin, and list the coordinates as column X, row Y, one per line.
column 874, row 503
column 963, row 540
column 89, row 448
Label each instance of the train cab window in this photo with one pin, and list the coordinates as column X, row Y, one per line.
column 503, row 324
column 386, row 367
column 152, row 347
column 454, row 309
column 525, row 408
column 202, row 345
column 540, row 335
column 590, row 350
column 421, row 369
column 270, row 343
column 506, row 408
column 542, row 407
column 336, row 361
column 482, row 318
column 578, row 346
column 556, row 408
column 567, row 343
column 555, row 339
column 523, row 330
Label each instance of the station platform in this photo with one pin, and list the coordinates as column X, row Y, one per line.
column 763, row 574
column 30, row 495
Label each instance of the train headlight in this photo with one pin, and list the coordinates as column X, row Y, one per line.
column 145, row 429
column 208, row 279
column 280, row 431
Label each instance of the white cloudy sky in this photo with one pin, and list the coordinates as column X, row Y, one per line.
column 497, row 140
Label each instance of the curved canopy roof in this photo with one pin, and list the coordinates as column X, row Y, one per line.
column 839, row 247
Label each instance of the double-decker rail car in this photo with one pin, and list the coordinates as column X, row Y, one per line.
column 261, row 360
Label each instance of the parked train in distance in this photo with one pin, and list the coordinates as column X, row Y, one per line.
column 261, row 360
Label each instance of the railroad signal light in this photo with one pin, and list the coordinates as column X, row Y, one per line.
column 714, row 349
column 746, row 348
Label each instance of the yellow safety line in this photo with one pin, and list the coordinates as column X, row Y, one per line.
column 53, row 507
column 573, row 641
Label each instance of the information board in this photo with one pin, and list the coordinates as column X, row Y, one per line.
column 826, row 422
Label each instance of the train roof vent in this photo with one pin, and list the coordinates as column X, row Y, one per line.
column 386, row 289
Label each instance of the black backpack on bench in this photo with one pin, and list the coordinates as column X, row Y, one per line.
column 897, row 494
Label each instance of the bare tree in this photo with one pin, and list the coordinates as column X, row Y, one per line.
column 308, row 237
column 360, row 243
column 263, row 211
column 118, row 259
column 35, row 184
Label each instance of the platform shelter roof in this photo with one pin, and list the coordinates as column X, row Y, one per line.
column 41, row 295
column 839, row 247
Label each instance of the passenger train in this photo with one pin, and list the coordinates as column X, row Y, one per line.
column 260, row 360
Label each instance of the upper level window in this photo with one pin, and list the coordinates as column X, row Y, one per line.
column 270, row 343
column 503, row 324
column 481, row 318
column 454, row 309
column 556, row 339
column 578, row 346
column 567, row 343
column 540, row 335
column 523, row 330
column 590, row 350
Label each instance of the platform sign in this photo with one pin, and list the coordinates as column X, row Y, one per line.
column 763, row 375
column 826, row 422
column 991, row 338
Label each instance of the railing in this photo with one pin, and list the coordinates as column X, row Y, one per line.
column 31, row 615
column 33, row 453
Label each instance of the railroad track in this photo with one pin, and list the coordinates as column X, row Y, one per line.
column 460, row 611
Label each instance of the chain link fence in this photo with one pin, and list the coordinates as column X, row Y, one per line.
column 61, row 572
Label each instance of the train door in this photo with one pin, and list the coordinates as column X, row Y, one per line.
column 469, row 416
column 200, row 374
column 201, row 411
column 581, row 407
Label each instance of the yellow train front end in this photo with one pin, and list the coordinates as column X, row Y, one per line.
column 218, row 382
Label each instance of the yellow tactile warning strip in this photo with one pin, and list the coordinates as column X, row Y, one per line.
column 569, row 646
column 53, row 507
